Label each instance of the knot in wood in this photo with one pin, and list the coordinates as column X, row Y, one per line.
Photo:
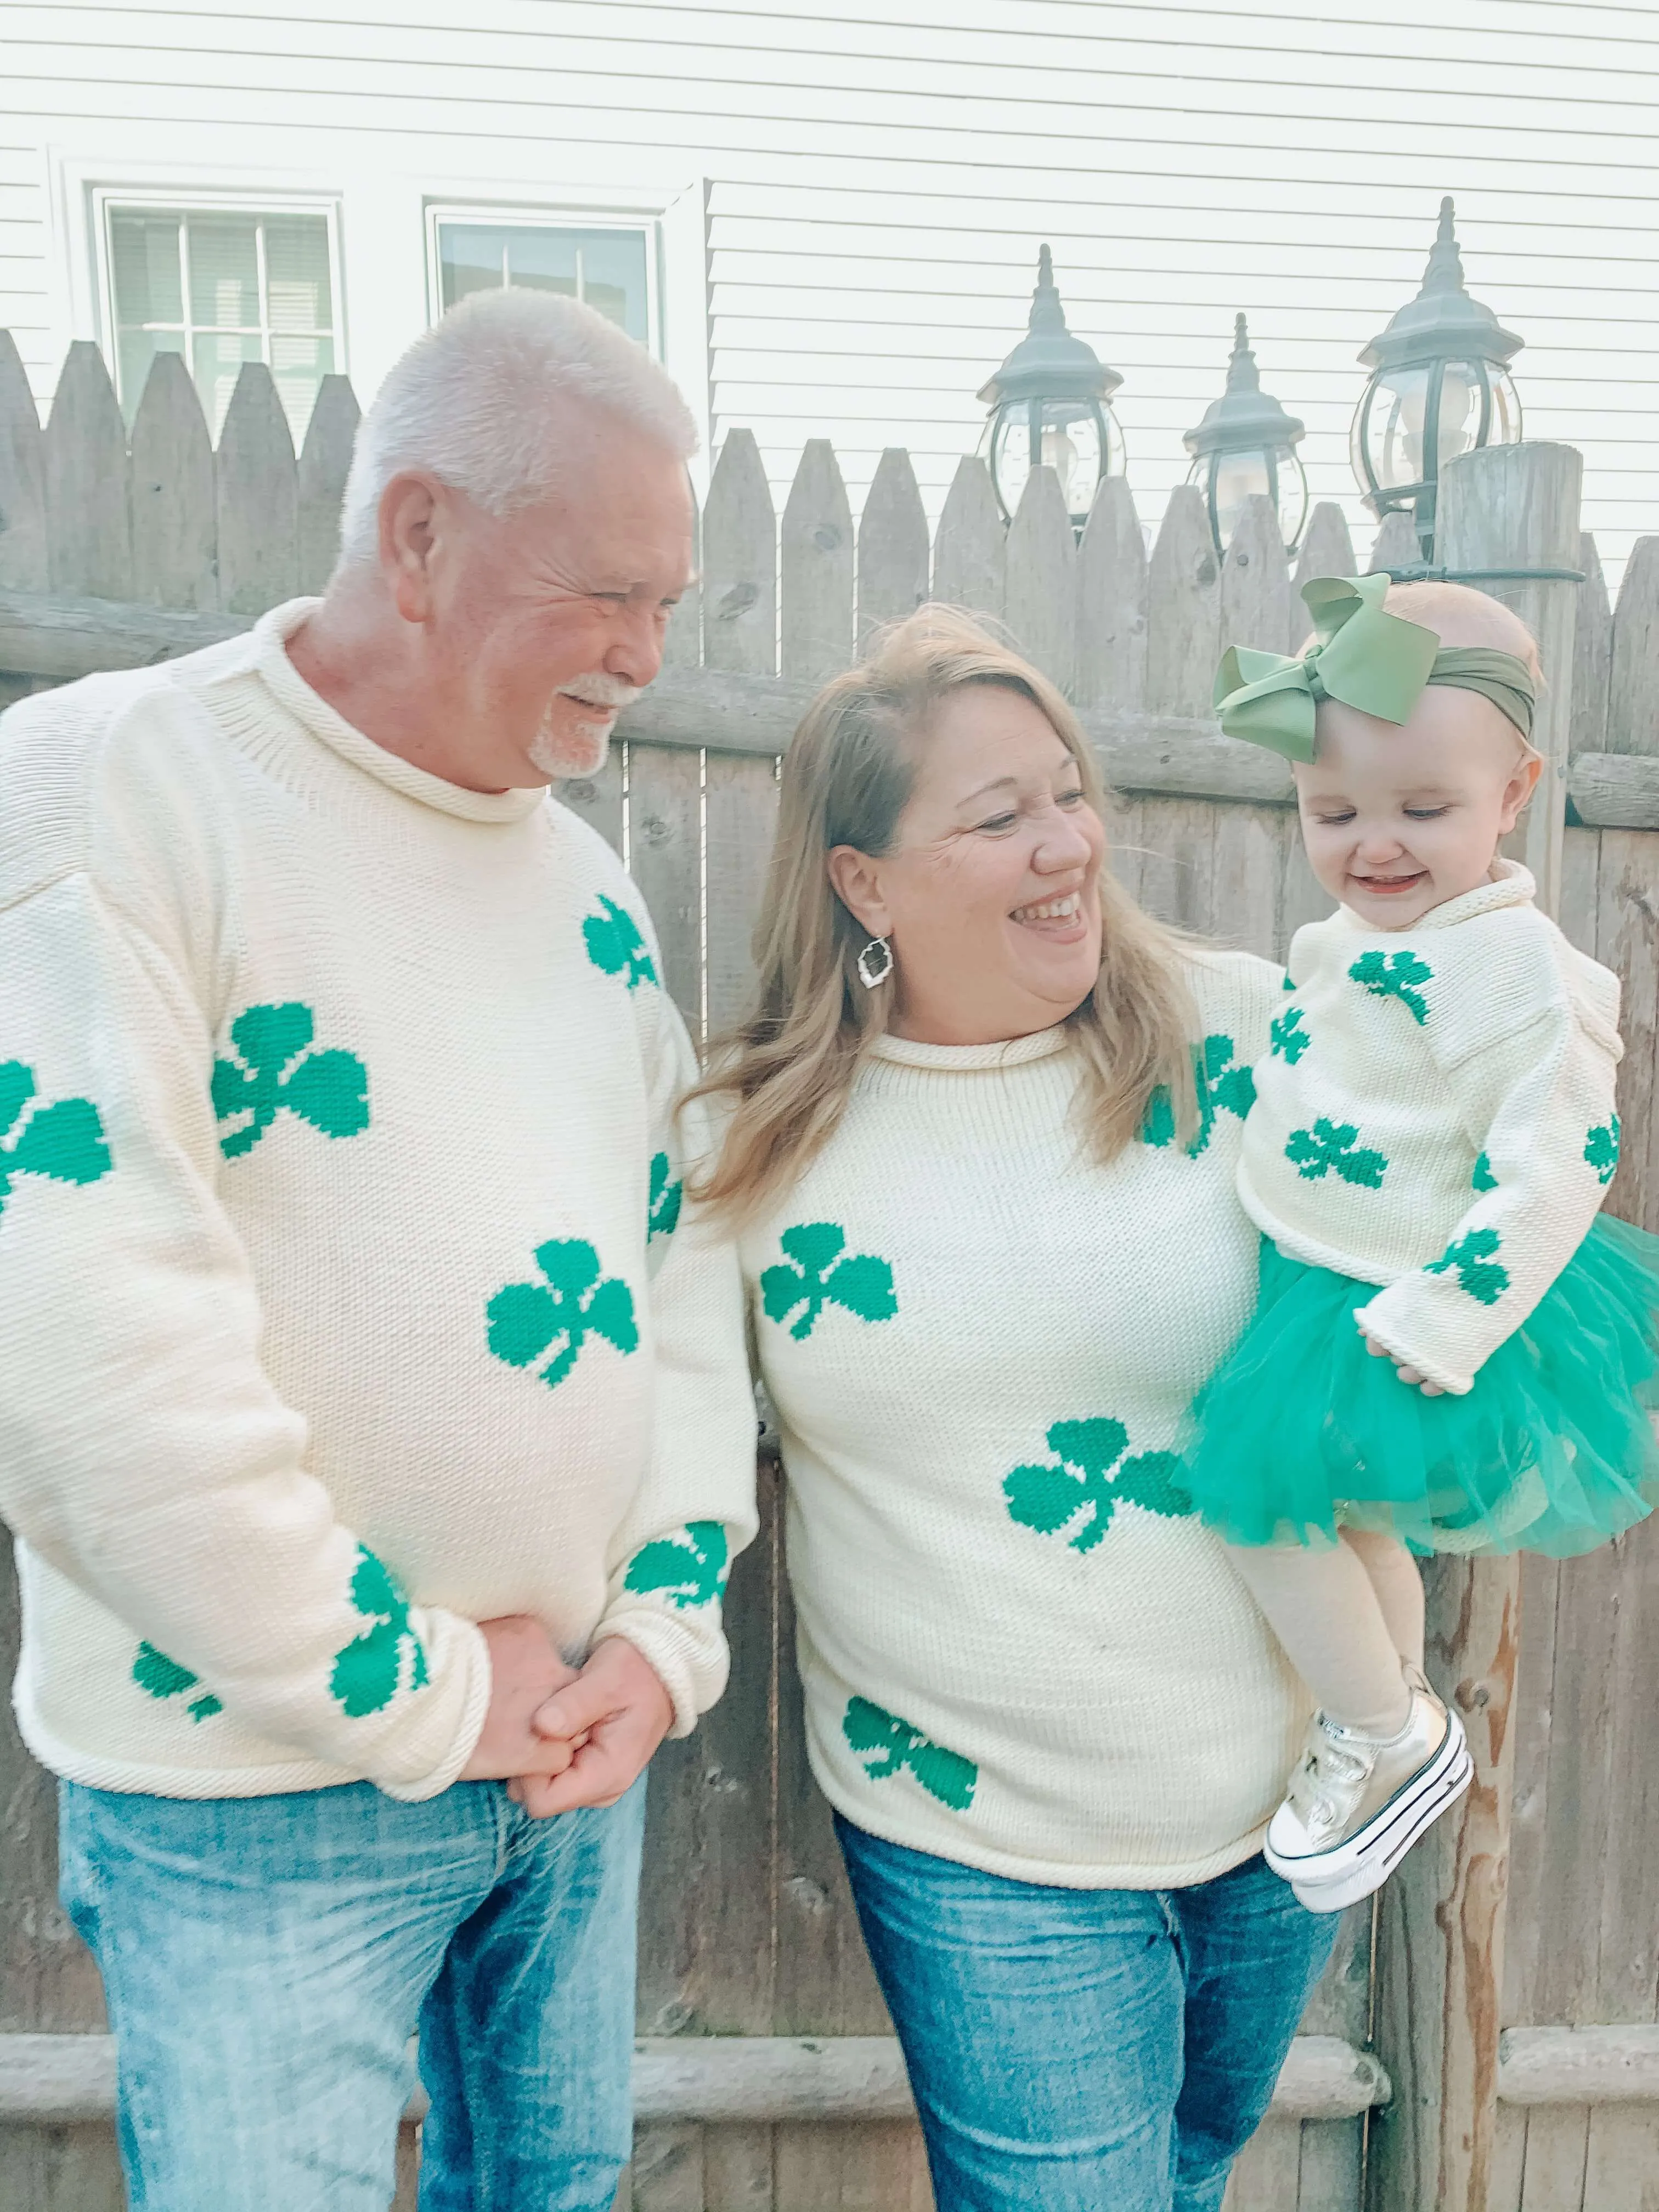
column 811, row 1897
column 736, row 601
column 826, row 537
column 1473, row 1696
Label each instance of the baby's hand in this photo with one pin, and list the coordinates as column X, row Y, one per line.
column 1411, row 1375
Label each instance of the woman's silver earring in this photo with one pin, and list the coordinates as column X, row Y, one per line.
column 876, row 962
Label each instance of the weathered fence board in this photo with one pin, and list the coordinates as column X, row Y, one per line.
column 259, row 498
column 1040, row 600
column 175, row 528
column 84, row 450
column 748, row 1930
column 23, row 558
column 816, row 552
column 893, row 553
column 970, row 551
column 324, row 465
column 1111, row 662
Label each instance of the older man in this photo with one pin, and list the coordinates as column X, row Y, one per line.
column 358, row 1383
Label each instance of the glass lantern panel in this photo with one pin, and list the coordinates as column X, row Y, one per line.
column 1238, row 477
column 1292, row 497
column 1071, row 446
column 1396, row 432
column 1505, row 429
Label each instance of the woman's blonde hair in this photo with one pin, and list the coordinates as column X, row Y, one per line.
column 786, row 1071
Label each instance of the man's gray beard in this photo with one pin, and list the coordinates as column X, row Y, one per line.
column 583, row 752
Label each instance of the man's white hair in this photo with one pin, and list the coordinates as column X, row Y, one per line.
column 468, row 404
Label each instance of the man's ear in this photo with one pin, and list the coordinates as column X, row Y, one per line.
column 855, row 879
column 410, row 513
column 1520, row 788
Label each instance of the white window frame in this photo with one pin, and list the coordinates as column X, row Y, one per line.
column 561, row 217
column 140, row 199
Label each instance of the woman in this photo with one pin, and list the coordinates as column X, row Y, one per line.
column 980, row 1141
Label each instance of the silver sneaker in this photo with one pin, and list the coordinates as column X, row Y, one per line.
column 1357, row 1804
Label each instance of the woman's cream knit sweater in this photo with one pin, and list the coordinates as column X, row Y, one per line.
column 1019, row 1649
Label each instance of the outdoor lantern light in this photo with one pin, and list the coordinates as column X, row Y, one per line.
column 1440, row 387
column 1051, row 402
column 1246, row 444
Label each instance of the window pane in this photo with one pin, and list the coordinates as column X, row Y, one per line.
column 299, row 366
column 224, row 282
column 606, row 268
column 218, row 364
column 470, row 259
column 144, row 256
column 296, row 273
column 613, row 276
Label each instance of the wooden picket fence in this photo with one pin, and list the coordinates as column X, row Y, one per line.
column 1487, row 2040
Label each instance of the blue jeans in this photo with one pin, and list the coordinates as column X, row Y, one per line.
column 266, row 1960
column 1084, row 2050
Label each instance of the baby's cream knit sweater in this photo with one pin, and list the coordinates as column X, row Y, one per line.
column 1020, row 1648
column 1435, row 1115
column 342, row 1303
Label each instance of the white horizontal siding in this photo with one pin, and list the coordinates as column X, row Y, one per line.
column 879, row 184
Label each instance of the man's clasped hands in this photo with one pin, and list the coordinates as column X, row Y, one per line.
column 562, row 1736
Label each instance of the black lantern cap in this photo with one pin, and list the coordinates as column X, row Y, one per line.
column 1049, row 362
column 1442, row 323
column 1245, row 416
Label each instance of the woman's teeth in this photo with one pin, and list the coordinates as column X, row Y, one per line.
column 1059, row 909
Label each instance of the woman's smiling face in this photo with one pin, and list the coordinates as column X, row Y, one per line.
column 990, row 893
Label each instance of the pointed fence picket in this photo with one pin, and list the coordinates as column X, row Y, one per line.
column 116, row 551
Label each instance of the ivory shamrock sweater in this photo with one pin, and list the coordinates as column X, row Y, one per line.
column 344, row 1301
column 1020, row 1648
column 1435, row 1115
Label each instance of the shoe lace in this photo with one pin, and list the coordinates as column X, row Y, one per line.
column 1326, row 1786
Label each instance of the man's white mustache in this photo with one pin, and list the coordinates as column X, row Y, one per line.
column 602, row 691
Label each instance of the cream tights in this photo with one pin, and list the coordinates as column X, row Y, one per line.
column 1347, row 1615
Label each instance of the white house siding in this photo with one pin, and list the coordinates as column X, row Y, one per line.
column 879, row 179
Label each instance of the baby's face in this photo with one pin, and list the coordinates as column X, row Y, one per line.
column 1399, row 817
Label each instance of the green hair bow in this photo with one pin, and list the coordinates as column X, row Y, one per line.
column 1375, row 662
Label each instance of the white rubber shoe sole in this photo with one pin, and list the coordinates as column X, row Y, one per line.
column 1328, row 1881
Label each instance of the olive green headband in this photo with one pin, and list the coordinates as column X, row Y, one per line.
column 1375, row 662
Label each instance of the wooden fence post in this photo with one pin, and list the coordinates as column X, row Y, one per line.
column 1042, row 596
column 970, row 551
column 23, row 478
column 893, row 550
column 1440, row 1949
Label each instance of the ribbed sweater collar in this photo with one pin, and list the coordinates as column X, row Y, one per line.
column 267, row 657
column 966, row 1058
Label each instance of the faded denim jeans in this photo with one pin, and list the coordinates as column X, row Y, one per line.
column 1084, row 2050
column 266, row 1960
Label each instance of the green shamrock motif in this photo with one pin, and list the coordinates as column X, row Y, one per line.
column 1220, row 1086
column 576, row 1301
column 888, row 1746
column 1483, row 1179
column 1330, row 1145
column 1050, row 1499
column 275, row 1068
column 825, row 1272
column 665, row 1198
column 689, row 1572
column 1290, row 1039
column 1392, row 975
column 162, row 1677
column 1477, row 1273
column 615, row 946
column 1602, row 1150
column 64, row 1140
column 369, row 1670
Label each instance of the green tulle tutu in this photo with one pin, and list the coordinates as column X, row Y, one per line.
column 1301, row 1431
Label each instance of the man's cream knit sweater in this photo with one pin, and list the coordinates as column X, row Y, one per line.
column 342, row 1303
column 1435, row 1115
column 1020, row 1648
